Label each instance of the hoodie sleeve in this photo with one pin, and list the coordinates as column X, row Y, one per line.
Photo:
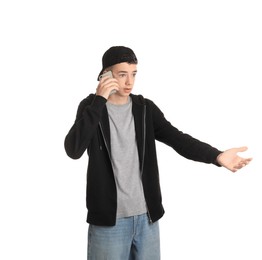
column 184, row 144
column 88, row 116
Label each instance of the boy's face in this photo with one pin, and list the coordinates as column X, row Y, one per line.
column 125, row 74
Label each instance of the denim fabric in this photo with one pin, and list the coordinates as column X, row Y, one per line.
column 132, row 238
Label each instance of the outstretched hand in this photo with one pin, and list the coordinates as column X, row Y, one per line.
column 230, row 159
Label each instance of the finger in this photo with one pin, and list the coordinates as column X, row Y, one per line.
column 107, row 79
column 248, row 160
column 113, row 85
column 241, row 149
column 245, row 160
column 241, row 164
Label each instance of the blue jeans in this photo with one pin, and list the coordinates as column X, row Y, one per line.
column 132, row 238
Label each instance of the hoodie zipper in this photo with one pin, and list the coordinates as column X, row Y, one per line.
column 143, row 154
column 144, row 139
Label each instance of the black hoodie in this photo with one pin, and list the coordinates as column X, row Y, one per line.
column 91, row 133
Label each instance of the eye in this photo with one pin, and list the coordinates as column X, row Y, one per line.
column 122, row 75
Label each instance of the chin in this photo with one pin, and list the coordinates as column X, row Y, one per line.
column 124, row 93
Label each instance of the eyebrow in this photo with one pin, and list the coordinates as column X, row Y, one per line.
column 123, row 71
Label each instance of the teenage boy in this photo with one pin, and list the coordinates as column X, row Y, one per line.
column 118, row 130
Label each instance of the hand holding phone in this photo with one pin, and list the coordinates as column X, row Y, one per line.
column 110, row 75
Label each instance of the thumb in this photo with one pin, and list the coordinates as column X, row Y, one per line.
column 241, row 149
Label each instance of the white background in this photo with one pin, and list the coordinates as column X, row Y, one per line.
column 199, row 61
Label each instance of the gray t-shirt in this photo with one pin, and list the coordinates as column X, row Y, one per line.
column 125, row 161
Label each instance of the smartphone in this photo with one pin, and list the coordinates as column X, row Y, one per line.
column 108, row 74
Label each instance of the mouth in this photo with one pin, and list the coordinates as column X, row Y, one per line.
column 127, row 89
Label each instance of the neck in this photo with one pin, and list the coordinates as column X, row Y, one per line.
column 117, row 100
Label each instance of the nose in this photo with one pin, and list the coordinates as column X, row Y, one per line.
column 129, row 80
